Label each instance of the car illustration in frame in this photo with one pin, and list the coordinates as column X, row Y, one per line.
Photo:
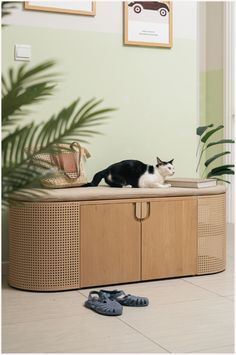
column 148, row 23
column 139, row 6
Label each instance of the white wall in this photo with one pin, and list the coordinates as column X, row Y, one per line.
column 108, row 19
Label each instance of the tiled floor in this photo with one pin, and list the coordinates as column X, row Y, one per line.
column 188, row 315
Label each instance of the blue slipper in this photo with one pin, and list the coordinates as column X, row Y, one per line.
column 102, row 304
column 126, row 300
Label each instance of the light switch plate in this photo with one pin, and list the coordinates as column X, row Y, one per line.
column 22, row 52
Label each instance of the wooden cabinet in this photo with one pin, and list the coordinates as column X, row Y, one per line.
column 65, row 245
column 138, row 240
column 169, row 238
column 110, row 244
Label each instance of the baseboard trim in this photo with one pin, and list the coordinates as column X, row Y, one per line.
column 5, row 266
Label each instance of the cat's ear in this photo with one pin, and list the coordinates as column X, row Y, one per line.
column 171, row 161
column 159, row 161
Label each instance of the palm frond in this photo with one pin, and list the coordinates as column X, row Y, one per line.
column 23, row 87
column 19, row 148
column 7, row 6
column 18, row 178
column 68, row 124
column 14, row 146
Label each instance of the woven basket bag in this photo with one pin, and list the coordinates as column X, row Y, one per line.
column 69, row 163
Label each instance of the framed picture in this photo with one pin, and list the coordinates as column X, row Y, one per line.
column 66, row 7
column 148, row 23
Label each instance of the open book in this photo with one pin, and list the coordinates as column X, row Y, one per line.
column 191, row 182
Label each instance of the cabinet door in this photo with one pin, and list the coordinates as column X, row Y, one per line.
column 169, row 238
column 110, row 244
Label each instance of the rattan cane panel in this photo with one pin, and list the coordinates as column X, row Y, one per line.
column 44, row 246
column 211, row 234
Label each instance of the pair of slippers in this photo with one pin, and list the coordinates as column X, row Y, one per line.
column 110, row 303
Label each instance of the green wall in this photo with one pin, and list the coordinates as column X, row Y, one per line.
column 211, row 110
column 211, row 49
column 154, row 90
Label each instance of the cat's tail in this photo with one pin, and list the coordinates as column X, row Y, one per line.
column 96, row 179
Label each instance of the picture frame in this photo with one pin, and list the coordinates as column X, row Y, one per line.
column 87, row 8
column 148, row 23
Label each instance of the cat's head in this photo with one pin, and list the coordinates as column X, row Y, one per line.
column 165, row 168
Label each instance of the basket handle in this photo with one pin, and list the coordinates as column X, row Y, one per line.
column 77, row 152
column 76, row 148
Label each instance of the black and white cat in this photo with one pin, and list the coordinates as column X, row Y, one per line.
column 134, row 173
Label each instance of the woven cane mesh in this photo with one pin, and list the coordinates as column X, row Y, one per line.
column 44, row 246
column 211, row 234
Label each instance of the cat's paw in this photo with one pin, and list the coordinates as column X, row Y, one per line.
column 129, row 186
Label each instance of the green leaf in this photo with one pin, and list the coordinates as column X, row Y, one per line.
column 222, row 167
column 202, row 129
column 209, row 161
column 222, row 141
column 23, row 87
column 14, row 146
column 16, row 179
column 210, row 133
column 13, row 104
column 7, row 6
column 220, row 172
column 218, row 179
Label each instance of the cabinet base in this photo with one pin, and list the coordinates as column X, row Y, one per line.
column 44, row 243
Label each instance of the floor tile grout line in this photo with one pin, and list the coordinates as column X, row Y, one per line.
column 229, row 299
column 39, row 320
column 203, row 349
column 206, row 289
column 192, row 300
column 145, row 336
column 136, row 330
column 81, row 293
column 186, row 300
